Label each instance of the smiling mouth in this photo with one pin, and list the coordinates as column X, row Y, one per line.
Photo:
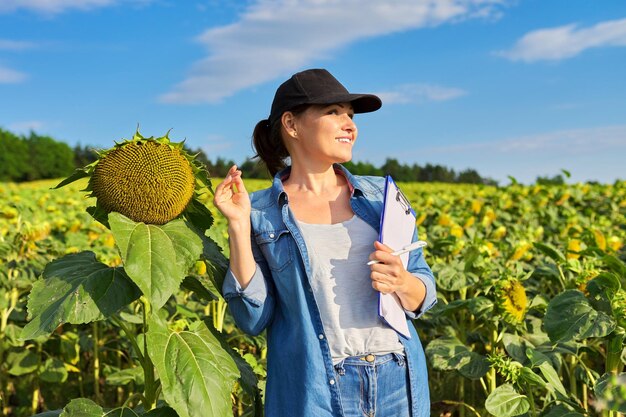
column 344, row 140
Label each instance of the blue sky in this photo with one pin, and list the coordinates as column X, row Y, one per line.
column 521, row 88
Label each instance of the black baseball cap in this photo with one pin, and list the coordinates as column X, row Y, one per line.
column 318, row 86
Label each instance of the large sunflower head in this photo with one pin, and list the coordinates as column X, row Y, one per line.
column 512, row 300
column 149, row 180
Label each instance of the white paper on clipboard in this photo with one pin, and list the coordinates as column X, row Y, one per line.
column 397, row 224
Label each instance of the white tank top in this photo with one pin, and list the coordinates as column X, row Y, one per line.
column 341, row 283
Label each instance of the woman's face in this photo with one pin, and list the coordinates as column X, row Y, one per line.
column 324, row 132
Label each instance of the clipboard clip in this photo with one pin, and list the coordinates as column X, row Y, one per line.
column 401, row 198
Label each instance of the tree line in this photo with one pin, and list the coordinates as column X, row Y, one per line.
column 252, row 168
column 33, row 157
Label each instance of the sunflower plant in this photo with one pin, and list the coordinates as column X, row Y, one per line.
column 149, row 193
column 530, row 319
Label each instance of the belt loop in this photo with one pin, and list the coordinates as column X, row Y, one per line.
column 340, row 369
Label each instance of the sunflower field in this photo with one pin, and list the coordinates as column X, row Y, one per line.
column 531, row 318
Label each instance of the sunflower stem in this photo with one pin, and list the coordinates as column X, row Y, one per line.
column 533, row 411
column 131, row 338
column 492, row 371
column 572, row 378
column 613, row 362
column 150, row 385
column 462, row 396
column 34, row 405
column 561, row 277
column 96, row 361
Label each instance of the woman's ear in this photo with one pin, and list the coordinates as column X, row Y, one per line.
column 289, row 124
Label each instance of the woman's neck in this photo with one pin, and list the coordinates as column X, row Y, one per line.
column 318, row 197
column 317, row 181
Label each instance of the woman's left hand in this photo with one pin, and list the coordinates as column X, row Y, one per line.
column 389, row 275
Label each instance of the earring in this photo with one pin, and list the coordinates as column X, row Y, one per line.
column 295, row 133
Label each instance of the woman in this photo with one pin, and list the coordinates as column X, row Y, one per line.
column 298, row 255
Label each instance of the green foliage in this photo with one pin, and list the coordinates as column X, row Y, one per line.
column 555, row 180
column 14, row 164
column 49, row 158
column 41, row 157
column 363, row 168
column 196, row 373
column 564, row 245
column 565, row 357
column 157, row 258
column 571, row 316
column 504, row 401
column 84, row 155
column 255, row 169
column 144, row 329
column 76, row 289
column 34, row 157
column 448, row 353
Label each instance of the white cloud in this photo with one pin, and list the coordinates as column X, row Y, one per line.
column 10, row 76
column 277, row 37
column 26, row 126
column 588, row 153
column 52, row 7
column 573, row 141
column 566, row 41
column 419, row 93
column 10, row 45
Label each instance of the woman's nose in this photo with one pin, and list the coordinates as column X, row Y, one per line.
column 349, row 124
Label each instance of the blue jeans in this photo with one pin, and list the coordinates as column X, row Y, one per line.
column 374, row 386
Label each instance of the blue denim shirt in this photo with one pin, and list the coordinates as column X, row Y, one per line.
column 279, row 298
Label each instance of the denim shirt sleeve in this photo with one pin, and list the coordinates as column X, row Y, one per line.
column 419, row 269
column 252, row 307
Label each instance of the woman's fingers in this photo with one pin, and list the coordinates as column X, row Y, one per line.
column 385, row 258
column 233, row 176
column 231, row 197
column 381, row 283
column 386, row 275
column 381, row 246
column 382, row 253
column 238, row 181
column 232, row 170
column 385, row 283
column 223, row 189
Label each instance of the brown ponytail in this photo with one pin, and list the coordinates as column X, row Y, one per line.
column 268, row 144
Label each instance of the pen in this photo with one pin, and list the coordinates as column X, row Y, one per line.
column 407, row 248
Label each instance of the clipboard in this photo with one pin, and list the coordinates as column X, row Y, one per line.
column 397, row 224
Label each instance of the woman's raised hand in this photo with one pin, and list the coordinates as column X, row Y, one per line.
column 231, row 197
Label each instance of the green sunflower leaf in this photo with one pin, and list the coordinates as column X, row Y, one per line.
column 504, row 401
column 156, row 257
column 571, row 316
column 76, row 289
column 196, row 374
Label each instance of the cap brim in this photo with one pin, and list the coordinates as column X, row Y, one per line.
column 361, row 103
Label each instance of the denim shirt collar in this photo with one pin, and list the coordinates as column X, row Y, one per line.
column 279, row 195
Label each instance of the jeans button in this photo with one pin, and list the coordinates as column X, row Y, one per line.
column 370, row 358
